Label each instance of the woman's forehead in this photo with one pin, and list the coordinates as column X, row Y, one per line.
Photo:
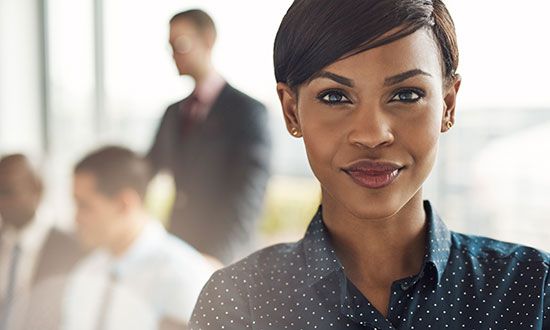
column 417, row 51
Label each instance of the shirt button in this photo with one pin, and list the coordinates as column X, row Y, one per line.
column 404, row 286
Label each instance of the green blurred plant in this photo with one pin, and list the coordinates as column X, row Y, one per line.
column 290, row 203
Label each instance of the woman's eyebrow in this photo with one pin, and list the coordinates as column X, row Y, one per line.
column 339, row 79
column 404, row 76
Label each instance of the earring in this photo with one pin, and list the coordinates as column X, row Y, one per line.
column 294, row 131
column 449, row 124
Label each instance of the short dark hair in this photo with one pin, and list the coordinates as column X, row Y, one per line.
column 316, row 33
column 116, row 168
column 199, row 18
column 18, row 160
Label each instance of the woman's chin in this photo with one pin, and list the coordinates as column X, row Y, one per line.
column 376, row 209
column 374, row 213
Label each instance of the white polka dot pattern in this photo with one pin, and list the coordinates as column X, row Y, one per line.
column 466, row 282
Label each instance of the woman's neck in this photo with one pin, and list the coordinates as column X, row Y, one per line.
column 379, row 251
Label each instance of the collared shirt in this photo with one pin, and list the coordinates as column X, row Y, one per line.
column 157, row 279
column 30, row 241
column 466, row 282
column 197, row 105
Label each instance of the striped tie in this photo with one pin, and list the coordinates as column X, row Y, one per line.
column 8, row 297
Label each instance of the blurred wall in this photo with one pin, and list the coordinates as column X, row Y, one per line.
column 78, row 74
column 21, row 76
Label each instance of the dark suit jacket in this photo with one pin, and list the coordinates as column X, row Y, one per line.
column 220, row 169
column 59, row 255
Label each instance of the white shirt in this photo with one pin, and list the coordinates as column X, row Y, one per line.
column 159, row 277
column 30, row 240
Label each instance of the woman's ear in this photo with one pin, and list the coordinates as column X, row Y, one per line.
column 289, row 103
column 449, row 99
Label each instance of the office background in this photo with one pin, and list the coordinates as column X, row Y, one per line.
column 75, row 75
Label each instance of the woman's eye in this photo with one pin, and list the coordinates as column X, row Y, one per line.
column 334, row 97
column 408, row 96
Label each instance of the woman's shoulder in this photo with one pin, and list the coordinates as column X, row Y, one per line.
column 228, row 293
column 265, row 261
column 485, row 248
column 277, row 264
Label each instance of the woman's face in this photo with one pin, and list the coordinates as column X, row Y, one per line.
column 371, row 124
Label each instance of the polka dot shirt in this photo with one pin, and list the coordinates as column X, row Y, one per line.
column 466, row 282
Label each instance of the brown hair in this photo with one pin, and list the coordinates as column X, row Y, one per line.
column 316, row 33
column 116, row 168
column 199, row 18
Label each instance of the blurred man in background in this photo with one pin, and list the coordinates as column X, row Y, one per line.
column 31, row 251
column 139, row 276
column 216, row 144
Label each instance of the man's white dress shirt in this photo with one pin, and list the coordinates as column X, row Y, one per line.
column 158, row 278
column 30, row 241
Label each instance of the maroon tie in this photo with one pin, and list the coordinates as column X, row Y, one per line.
column 191, row 111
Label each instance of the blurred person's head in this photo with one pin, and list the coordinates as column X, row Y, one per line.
column 192, row 37
column 109, row 189
column 20, row 191
column 369, row 85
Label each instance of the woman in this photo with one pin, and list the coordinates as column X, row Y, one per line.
column 370, row 85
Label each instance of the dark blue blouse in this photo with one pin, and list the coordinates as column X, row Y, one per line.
column 466, row 282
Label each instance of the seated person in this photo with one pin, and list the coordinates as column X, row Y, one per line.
column 31, row 250
column 139, row 276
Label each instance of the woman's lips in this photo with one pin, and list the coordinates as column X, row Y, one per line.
column 373, row 175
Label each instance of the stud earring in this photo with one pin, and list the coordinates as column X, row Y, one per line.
column 294, row 131
column 449, row 124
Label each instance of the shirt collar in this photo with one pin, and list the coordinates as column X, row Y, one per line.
column 208, row 90
column 32, row 236
column 152, row 234
column 439, row 242
column 321, row 260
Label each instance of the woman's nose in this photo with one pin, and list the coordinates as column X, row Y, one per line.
column 371, row 128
